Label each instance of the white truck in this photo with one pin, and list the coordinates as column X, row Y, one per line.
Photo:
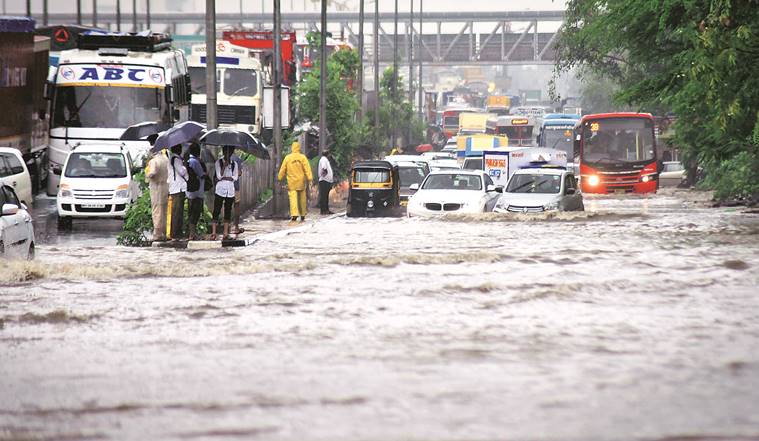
column 109, row 83
column 239, row 86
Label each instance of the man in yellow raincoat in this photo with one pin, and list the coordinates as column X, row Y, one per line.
column 298, row 171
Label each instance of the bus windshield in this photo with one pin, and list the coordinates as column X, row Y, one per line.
column 108, row 107
column 518, row 135
column 240, row 82
column 618, row 140
column 559, row 138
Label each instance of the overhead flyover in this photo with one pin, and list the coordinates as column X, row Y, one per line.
column 448, row 38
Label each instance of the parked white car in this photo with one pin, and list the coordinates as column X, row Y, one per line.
column 453, row 191
column 13, row 172
column 672, row 174
column 96, row 181
column 16, row 230
column 534, row 190
column 438, row 155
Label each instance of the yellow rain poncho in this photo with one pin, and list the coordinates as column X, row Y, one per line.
column 298, row 171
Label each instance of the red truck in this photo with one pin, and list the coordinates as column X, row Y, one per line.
column 23, row 72
column 264, row 41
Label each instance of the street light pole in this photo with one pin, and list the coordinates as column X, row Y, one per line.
column 94, row 13
column 118, row 15
column 134, row 15
column 211, row 121
column 44, row 12
column 395, row 72
column 360, row 79
column 147, row 20
column 78, row 12
column 411, row 56
column 376, row 65
column 277, row 108
column 420, row 55
column 323, row 82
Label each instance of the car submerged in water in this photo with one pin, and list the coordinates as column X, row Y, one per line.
column 453, row 191
column 535, row 190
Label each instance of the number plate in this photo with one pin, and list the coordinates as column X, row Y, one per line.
column 404, row 203
column 93, row 205
column 619, row 191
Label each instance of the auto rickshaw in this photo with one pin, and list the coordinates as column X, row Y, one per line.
column 374, row 189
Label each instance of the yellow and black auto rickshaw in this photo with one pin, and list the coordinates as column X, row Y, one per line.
column 374, row 189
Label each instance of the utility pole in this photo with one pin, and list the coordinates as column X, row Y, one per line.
column 360, row 79
column 79, row 12
column 94, row 13
column 28, row 8
column 44, row 12
column 411, row 56
column 420, row 54
column 277, row 108
column 147, row 23
column 395, row 72
column 118, row 15
column 323, row 82
column 134, row 15
column 211, row 121
column 375, row 45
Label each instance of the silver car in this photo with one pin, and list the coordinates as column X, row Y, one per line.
column 534, row 190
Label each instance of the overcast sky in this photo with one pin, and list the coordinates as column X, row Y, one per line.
column 19, row 6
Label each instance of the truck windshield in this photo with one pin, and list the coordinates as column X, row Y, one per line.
column 198, row 80
column 96, row 165
column 526, row 183
column 618, row 140
column 240, row 82
column 108, row 107
column 558, row 138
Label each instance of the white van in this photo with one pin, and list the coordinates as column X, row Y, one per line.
column 97, row 180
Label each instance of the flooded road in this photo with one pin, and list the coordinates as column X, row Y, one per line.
column 638, row 320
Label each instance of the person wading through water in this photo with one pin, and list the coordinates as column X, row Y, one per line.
column 196, row 187
column 157, row 173
column 298, row 171
column 326, row 180
column 177, row 179
column 227, row 173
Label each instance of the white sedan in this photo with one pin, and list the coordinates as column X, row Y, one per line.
column 453, row 191
column 16, row 231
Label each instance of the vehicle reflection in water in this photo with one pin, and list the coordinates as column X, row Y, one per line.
column 84, row 232
column 637, row 320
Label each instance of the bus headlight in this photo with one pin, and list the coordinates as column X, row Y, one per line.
column 593, row 180
column 648, row 178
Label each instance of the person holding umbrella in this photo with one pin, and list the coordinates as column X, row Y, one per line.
column 157, row 173
column 298, row 171
column 227, row 173
column 195, row 189
column 177, row 180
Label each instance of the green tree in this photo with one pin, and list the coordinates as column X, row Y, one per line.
column 695, row 58
column 342, row 104
column 396, row 113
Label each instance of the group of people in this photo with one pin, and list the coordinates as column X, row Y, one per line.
column 296, row 168
column 172, row 180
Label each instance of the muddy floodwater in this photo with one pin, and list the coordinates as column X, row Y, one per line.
column 638, row 320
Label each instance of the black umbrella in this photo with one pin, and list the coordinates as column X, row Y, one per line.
column 143, row 130
column 239, row 140
column 179, row 134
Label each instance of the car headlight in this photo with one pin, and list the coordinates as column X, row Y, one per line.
column 551, row 206
column 65, row 193
column 593, row 180
column 648, row 178
column 122, row 191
